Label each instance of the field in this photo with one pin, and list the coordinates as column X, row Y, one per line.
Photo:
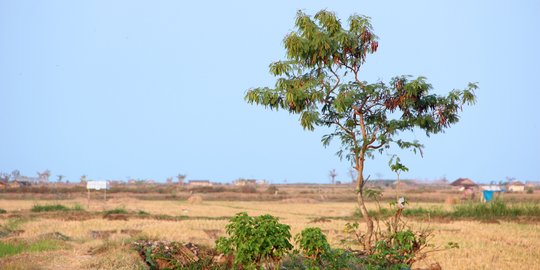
column 98, row 234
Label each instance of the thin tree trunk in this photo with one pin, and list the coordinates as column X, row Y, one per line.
column 367, row 241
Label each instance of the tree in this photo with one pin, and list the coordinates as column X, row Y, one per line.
column 16, row 174
column 181, row 178
column 4, row 177
column 333, row 175
column 60, row 177
column 320, row 80
column 44, row 176
column 83, row 179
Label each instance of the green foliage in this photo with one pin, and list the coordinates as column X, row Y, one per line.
column 320, row 81
column 312, row 243
column 530, row 191
column 49, row 208
column 396, row 251
column 337, row 259
column 116, row 211
column 7, row 248
column 255, row 242
column 142, row 213
column 396, row 165
column 2, row 211
column 494, row 209
column 77, row 207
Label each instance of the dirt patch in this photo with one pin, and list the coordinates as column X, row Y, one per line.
column 490, row 221
column 55, row 236
column 320, row 220
column 195, row 199
column 213, row 234
column 130, row 232
column 102, row 234
column 299, row 200
column 116, row 216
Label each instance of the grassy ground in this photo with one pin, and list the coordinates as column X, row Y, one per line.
column 101, row 241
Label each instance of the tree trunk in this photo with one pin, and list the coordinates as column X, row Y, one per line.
column 361, row 204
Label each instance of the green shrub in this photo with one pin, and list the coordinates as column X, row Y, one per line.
column 116, row 211
column 313, row 244
column 77, row 207
column 49, row 208
column 395, row 251
column 255, row 242
column 530, row 191
column 55, row 207
column 143, row 213
column 2, row 211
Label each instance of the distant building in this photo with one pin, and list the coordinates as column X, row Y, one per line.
column 464, row 183
column 19, row 184
column 516, row 186
column 495, row 188
column 467, row 186
column 250, row 182
column 199, row 183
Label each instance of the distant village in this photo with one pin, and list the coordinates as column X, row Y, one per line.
column 16, row 180
column 470, row 188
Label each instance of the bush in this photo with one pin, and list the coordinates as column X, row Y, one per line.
column 49, row 208
column 530, row 191
column 116, row 211
column 396, row 251
column 2, row 211
column 313, row 244
column 255, row 242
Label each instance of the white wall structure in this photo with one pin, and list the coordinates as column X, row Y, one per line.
column 97, row 185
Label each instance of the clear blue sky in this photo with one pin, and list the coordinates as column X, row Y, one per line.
column 150, row 89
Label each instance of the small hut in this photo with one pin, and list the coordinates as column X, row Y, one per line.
column 466, row 185
column 516, row 186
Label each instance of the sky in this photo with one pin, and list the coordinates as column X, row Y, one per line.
column 151, row 89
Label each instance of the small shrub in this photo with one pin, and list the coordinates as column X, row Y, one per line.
column 49, row 208
column 530, row 191
column 116, row 211
column 2, row 211
column 255, row 242
column 248, row 189
column 271, row 189
column 313, row 244
column 77, row 207
column 142, row 213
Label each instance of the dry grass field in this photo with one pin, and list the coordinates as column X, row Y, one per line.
column 100, row 242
